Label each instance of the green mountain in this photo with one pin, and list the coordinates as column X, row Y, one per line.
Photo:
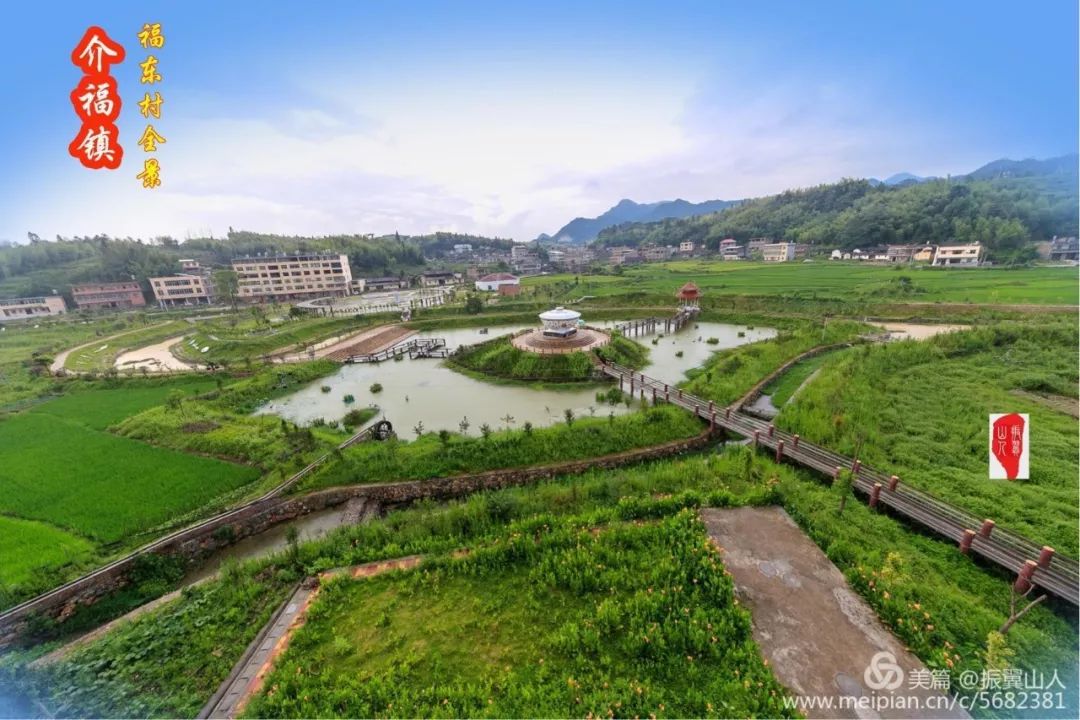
column 1005, row 205
column 584, row 230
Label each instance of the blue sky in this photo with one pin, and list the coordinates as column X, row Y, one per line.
column 510, row 119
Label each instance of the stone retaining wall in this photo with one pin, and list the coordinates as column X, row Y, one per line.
column 202, row 540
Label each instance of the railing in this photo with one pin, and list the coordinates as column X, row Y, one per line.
column 423, row 347
column 1057, row 574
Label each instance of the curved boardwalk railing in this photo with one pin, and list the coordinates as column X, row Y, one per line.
column 1054, row 573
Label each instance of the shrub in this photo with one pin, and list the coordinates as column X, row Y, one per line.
column 375, row 388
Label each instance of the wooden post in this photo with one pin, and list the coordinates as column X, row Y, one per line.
column 855, row 467
column 1045, row 556
column 893, row 481
column 836, row 474
column 621, row 378
column 711, row 410
column 772, row 429
column 965, row 541
column 712, row 420
column 875, row 495
column 795, row 441
column 727, row 413
column 987, row 528
column 1023, row 578
column 756, row 437
column 654, row 395
column 779, row 451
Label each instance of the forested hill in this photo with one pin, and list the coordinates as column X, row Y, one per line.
column 41, row 267
column 1004, row 205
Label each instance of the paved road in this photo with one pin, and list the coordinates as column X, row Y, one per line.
column 817, row 634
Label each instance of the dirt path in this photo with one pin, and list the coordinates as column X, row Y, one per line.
column 819, row 637
column 62, row 356
column 155, row 358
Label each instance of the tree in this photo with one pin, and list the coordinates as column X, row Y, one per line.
column 485, row 431
column 463, row 426
column 292, row 552
column 508, row 419
column 569, row 415
column 1015, row 614
column 227, row 285
column 175, row 401
column 444, row 438
column 528, row 428
column 474, row 304
column 419, row 428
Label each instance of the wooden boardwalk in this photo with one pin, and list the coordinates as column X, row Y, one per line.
column 415, row 348
column 1054, row 573
column 650, row 324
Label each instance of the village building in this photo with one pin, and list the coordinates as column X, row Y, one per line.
column 962, row 256
column 623, row 256
column 182, row 289
column 508, row 290
column 778, row 252
column 117, row 295
column 1066, row 248
column 730, row 249
column 439, row 279
column 525, row 259
column 686, row 247
column 492, row 282
column 381, row 284
column 924, row 254
column 901, row 253
column 31, row 307
column 287, row 277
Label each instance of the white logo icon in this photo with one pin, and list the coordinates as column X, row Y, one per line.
column 883, row 673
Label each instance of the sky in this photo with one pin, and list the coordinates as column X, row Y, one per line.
column 510, row 119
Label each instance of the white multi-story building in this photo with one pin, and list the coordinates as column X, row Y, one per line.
column 493, row 282
column 686, row 247
column 288, row 277
column 778, row 252
column 31, row 307
column 182, row 289
column 958, row 255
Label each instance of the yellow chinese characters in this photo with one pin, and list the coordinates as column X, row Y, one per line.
column 150, row 36
column 151, row 174
column 150, row 74
column 151, row 106
column 150, row 139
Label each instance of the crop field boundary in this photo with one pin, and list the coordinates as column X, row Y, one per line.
column 272, row 508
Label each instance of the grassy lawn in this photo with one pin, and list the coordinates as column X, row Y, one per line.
column 73, row 491
column 27, row 546
column 828, row 279
column 567, row 621
column 100, row 485
column 921, row 410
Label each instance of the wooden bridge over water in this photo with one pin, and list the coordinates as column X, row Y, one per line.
column 415, row 348
column 651, row 324
column 1034, row 565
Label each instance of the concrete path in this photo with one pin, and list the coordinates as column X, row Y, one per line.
column 154, row 358
column 61, row 357
column 818, row 636
column 247, row 676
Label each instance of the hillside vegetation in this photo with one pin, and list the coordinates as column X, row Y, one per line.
column 1004, row 213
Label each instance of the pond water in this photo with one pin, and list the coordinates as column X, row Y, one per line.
column 427, row 391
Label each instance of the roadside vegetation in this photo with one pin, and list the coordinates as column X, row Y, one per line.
column 920, row 409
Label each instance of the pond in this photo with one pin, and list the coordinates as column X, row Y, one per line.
column 427, row 391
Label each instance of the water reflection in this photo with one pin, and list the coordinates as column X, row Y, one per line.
column 426, row 391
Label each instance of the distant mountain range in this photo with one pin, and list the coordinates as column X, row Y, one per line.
column 580, row 231
column 584, row 230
